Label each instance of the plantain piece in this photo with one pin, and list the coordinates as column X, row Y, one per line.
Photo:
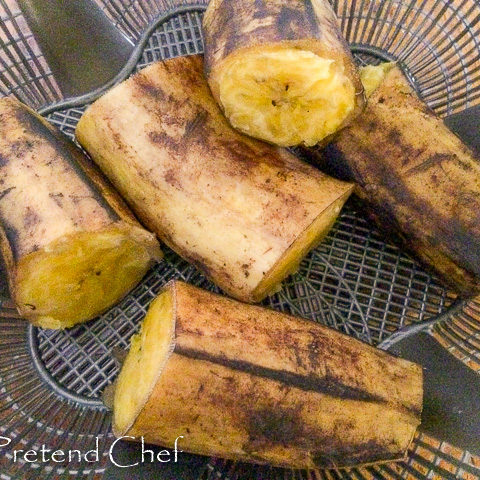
column 280, row 69
column 417, row 178
column 244, row 212
column 372, row 76
column 248, row 383
column 71, row 247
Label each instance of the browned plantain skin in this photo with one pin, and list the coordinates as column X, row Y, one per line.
column 50, row 194
column 310, row 25
column 418, row 180
column 233, row 206
column 251, row 384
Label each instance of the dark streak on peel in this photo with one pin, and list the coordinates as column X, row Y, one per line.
column 448, row 231
column 161, row 138
column 291, row 22
column 199, row 129
column 13, row 237
column 309, row 383
column 65, row 150
column 314, row 22
column 233, row 41
column 6, row 192
column 436, row 159
column 196, row 124
column 148, row 87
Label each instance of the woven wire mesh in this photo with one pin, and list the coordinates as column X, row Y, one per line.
column 24, row 71
column 355, row 281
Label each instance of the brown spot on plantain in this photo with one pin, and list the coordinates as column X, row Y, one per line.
column 299, row 22
column 394, row 136
column 172, row 179
column 31, row 218
column 434, row 179
column 57, row 198
column 246, row 268
column 148, row 88
column 161, row 138
column 3, row 160
column 196, row 125
column 117, row 138
column 277, row 425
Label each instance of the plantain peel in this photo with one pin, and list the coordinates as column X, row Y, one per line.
column 285, row 96
column 372, row 76
column 244, row 212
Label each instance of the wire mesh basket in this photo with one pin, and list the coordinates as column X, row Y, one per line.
column 355, row 281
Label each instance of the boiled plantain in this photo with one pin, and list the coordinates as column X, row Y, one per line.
column 71, row 247
column 244, row 212
column 417, row 178
column 251, row 384
column 280, row 69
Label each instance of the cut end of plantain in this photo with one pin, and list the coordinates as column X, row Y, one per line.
column 309, row 239
column 372, row 76
column 76, row 279
column 149, row 352
column 284, row 95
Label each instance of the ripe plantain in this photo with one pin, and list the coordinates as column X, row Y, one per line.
column 417, row 178
column 244, row 212
column 248, row 383
column 280, row 69
column 71, row 247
